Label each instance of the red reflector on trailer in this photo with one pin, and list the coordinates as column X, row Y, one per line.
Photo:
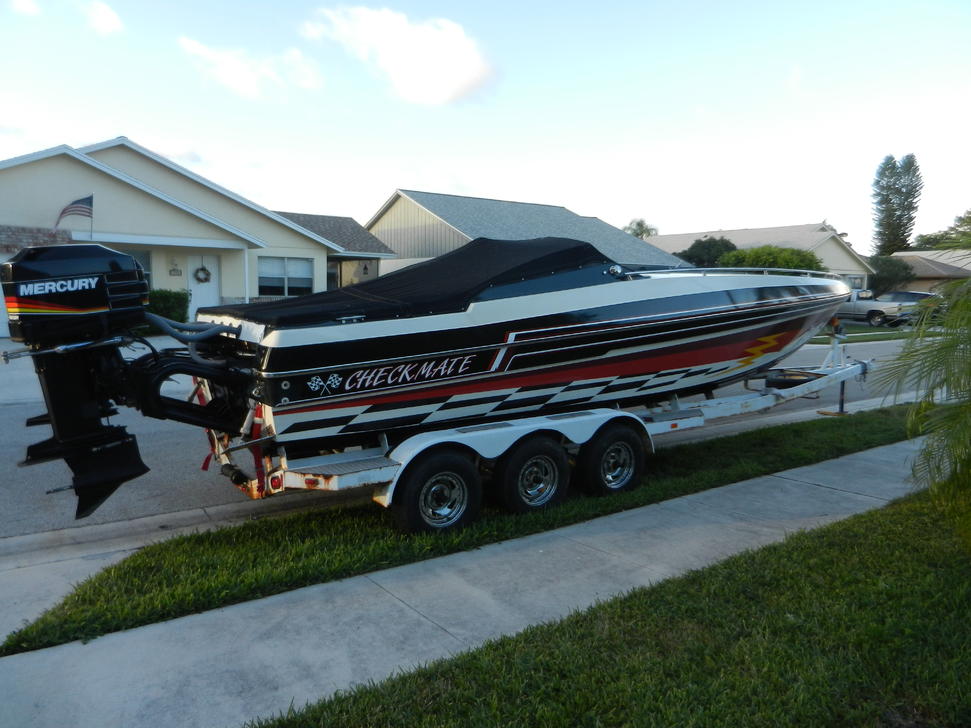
column 276, row 482
column 310, row 481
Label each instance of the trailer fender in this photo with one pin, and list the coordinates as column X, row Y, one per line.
column 490, row 440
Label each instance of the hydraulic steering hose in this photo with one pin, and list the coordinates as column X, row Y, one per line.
column 180, row 331
column 200, row 332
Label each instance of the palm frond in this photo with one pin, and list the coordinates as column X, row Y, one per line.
column 936, row 363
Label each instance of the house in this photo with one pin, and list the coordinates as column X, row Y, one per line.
column 350, row 234
column 422, row 225
column 934, row 267
column 187, row 232
column 819, row 238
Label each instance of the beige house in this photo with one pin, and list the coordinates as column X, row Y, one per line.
column 819, row 238
column 422, row 225
column 187, row 232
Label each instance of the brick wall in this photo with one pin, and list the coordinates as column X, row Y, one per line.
column 14, row 238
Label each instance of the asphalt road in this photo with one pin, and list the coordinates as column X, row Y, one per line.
column 175, row 452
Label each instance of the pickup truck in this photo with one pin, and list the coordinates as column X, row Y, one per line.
column 862, row 306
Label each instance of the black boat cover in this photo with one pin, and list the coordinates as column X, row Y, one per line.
column 446, row 284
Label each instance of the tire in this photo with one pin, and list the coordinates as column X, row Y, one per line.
column 532, row 475
column 613, row 461
column 876, row 318
column 440, row 491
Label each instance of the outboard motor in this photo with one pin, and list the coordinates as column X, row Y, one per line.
column 74, row 306
column 69, row 305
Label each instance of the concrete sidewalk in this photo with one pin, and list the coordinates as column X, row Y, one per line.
column 227, row 666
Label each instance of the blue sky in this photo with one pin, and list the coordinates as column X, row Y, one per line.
column 693, row 115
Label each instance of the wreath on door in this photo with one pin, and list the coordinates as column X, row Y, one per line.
column 202, row 274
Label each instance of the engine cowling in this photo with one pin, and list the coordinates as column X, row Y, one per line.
column 71, row 293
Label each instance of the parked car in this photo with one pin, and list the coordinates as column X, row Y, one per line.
column 862, row 306
column 919, row 301
column 906, row 296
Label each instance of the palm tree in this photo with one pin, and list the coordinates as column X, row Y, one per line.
column 936, row 362
column 640, row 229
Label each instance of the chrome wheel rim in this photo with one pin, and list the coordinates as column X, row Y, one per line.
column 443, row 500
column 617, row 465
column 538, row 480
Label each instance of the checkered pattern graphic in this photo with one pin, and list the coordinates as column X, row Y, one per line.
column 491, row 403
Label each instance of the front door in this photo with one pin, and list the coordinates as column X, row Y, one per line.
column 203, row 283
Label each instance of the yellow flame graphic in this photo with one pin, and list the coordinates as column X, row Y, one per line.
column 768, row 342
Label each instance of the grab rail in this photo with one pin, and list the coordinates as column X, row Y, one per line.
column 725, row 271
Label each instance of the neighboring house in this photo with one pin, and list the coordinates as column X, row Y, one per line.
column 350, row 234
column 934, row 267
column 186, row 231
column 422, row 225
column 819, row 238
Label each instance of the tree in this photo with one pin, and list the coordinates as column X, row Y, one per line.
column 896, row 192
column 705, row 252
column 771, row 256
column 930, row 241
column 889, row 274
column 935, row 361
column 640, row 229
column 956, row 236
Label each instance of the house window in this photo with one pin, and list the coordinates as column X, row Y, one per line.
column 144, row 258
column 854, row 281
column 286, row 276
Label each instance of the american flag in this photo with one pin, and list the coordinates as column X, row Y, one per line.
column 83, row 207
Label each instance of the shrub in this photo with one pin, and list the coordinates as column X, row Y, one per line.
column 705, row 252
column 169, row 304
column 172, row 305
column 771, row 256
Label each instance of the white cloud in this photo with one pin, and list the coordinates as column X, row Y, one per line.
column 102, row 19
column 300, row 70
column 246, row 75
column 431, row 62
column 25, row 7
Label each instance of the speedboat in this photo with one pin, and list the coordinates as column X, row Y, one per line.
column 501, row 328
column 495, row 330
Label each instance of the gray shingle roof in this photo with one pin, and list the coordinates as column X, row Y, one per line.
column 929, row 268
column 345, row 231
column 804, row 237
column 478, row 217
column 952, row 256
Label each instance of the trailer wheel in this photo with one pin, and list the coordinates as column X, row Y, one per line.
column 613, row 461
column 533, row 474
column 439, row 491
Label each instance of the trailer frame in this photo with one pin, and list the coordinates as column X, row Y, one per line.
column 382, row 467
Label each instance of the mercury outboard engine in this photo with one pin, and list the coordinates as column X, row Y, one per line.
column 73, row 306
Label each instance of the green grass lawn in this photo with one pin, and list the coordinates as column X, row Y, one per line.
column 862, row 623
column 203, row 571
column 849, row 328
column 865, row 332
